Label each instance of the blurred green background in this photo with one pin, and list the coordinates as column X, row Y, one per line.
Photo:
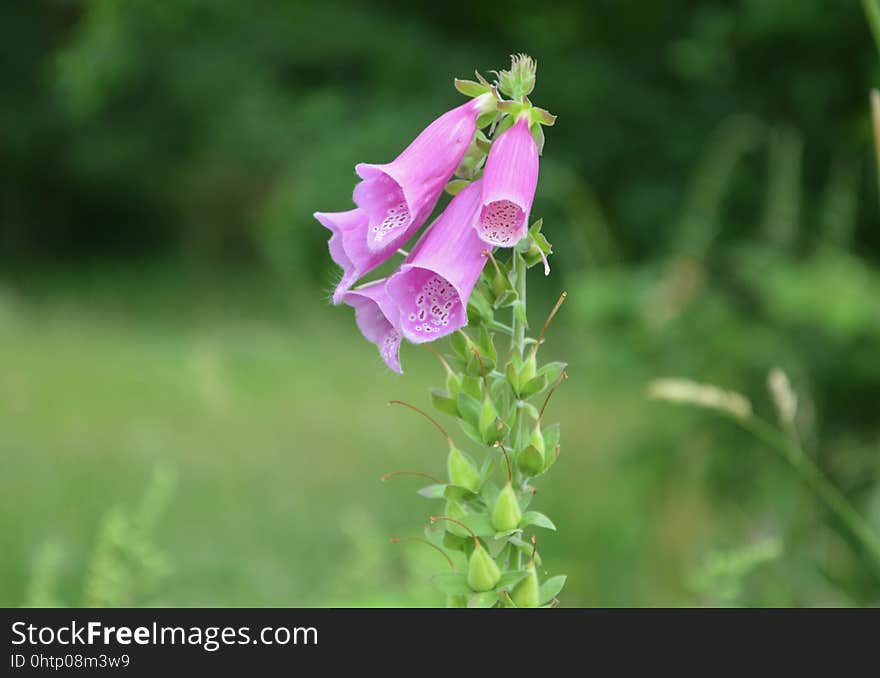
column 185, row 420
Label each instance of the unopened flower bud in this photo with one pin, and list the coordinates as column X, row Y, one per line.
column 506, row 515
column 531, row 460
column 462, row 471
column 483, row 573
column 525, row 593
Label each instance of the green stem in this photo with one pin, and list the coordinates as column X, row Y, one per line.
column 519, row 328
column 501, row 327
column 518, row 339
column 836, row 502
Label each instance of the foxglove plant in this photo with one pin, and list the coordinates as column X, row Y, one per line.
column 451, row 284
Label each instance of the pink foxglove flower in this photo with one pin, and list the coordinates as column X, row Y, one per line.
column 434, row 283
column 376, row 317
column 509, row 182
column 348, row 247
column 399, row 196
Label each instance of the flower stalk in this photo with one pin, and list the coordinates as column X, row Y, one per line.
column 485, row 154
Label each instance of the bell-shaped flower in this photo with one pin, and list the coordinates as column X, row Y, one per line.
column 509, row 181
column 399, row 196
column 376, row 317
column 348, row 247
column 433, row 285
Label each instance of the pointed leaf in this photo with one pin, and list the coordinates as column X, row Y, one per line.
column 456, row 492
column 469, row 409
column 456, row 186
column 470, row 431
column 551, row 588
column 470, row 88
column 479, row 523
column 443, row 402
column 537, row 519
column 533, row 386
column 552, row 371
column 511, row 578
column 433, row 491
column 551, row 436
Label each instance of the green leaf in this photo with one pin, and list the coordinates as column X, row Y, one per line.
column 479, row 308
column 506, row 299
column 470, row 431
column 486, row 119
column 456, row 186
column 525, row 499
column 473, row 385
column 538, row 135
column 531, row 410
column 497, row 388
column 533, row 386
column 552, row 371
column 442, row 401
column 469, row 409
column 535, row 228
column 489, row 492
column 530, row 461
column 483, row 600
column 511, row 578
column 453, row 583
column 454, row 542
column 433, row 491
column 542, row 116
column 503, row 536
column 526, row 548
column 551, row 436
column 486, row 346
column 551, row 457
column 461, row 344
column 472, row 89
column 456, row 492
column 479, row 523
column 551, row 588
column 489, row 429
column 537, row 519
column 512, row 374
column 504, row 125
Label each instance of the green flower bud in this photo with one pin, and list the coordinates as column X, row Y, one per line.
column 519, row 81
column 461, row 471
column 506, row 515
column 531, row 459
column 525, row 593
column 529, row 369
column 483, row 574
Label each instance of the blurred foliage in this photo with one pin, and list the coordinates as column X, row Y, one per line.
column 126, row 566
column 710, row 189
column 144, row 128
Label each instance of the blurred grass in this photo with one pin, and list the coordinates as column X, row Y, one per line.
column 272, row 409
